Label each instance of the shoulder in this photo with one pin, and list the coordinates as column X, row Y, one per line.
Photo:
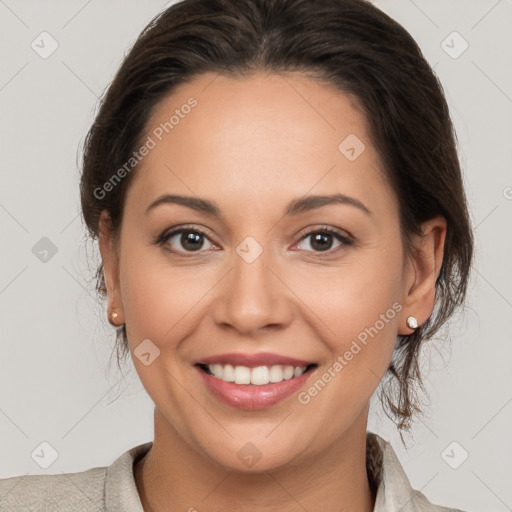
column 96, row 489
column 422, row 504
column 67, row 491
column 394, row 491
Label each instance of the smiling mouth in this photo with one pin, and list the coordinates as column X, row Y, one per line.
column 257, row 376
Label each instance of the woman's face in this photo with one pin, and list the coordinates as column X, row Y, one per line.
column 266, row 276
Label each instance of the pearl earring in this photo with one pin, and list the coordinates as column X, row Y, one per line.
column 412, row 322
column 111, row 318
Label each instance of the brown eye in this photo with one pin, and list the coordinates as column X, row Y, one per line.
column 185, row 240
column 322, row 240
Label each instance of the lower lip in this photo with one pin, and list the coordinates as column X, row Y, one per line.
column 250, row 396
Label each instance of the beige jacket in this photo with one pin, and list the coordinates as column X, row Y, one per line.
column 113, row 488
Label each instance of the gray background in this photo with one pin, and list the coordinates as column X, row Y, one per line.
column 56, row 381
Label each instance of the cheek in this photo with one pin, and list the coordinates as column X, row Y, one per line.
column 354, row 309
column 352, row 296
column 157, row 301
column 155, row 294
column 356, row 317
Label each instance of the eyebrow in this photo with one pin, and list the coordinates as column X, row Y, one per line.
column 295, row 207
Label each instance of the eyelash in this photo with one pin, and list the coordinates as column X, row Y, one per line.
column 160, row 241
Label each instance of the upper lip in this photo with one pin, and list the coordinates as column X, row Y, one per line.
column 254, row 360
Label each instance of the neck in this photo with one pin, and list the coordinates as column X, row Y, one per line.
column 173, row 476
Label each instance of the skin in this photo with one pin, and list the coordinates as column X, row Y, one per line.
column 252, row 145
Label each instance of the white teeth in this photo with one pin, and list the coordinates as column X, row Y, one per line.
column 298, row 371
column 217, row 370
column 276, row 374
column 228, row 374
column 288, row 372
column 242, row 375
column 258, row 376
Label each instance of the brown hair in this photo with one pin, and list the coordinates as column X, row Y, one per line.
column 348, row 43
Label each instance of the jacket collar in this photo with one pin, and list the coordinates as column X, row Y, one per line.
column 393, row 489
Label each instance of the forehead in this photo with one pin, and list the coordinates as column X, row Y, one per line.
column 263, row 135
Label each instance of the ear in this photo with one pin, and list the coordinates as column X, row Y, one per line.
column 110, row 259
column 422, row 270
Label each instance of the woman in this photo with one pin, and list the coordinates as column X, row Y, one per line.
column 279, row 206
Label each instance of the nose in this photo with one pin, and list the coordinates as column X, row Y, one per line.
column 253, row 296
